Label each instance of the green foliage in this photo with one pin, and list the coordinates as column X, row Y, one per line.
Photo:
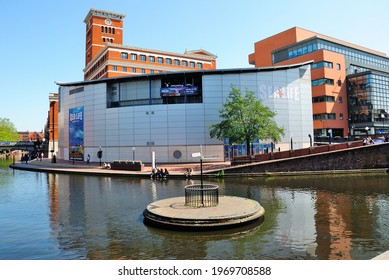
column 8, row 132
column 220, row 173
column 244, row 118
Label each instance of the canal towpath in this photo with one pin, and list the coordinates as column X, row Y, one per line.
column 178, row 170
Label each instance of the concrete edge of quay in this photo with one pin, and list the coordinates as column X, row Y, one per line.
column 214, row 170
column 382, row 257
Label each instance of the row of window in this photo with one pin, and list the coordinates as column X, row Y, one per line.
column 96, row 65
column 318, row 44
column 325, row 64
column 323, row 81
column 108, row 30
column 108, row 40
column 161, row 60
column 327, row 116
column 326, row 98
column 353, row 54
column 134, row 70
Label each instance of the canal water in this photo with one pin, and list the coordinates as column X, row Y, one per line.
column 59, row 216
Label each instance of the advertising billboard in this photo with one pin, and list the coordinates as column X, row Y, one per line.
column 179, row 91
column 76, row 133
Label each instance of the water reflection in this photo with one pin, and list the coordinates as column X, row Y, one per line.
column 87, row 217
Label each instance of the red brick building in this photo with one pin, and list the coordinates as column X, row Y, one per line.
column 107, row 57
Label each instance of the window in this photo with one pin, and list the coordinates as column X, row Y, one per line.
column 192, row 64
column 176, row 62
column 133, row 70
column 340, row 116
column 143, row 71
column 168, row 61
column 124, row 55
column 340, row 99
column 322, row 82
column 124, row 69
column 199, row 65
column 323, row 98
column 151, row 71
column 337, row 66
column 152, row 58
column 114, row 68
column 185, row 63
column 324, row 116
column 76, row 90
column 134, row 56
column 322, row 64
column 142, row 57
column 160, row 59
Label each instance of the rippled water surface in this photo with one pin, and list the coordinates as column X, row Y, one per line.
column 57, row 216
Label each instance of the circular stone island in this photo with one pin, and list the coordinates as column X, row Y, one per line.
column 231, row 211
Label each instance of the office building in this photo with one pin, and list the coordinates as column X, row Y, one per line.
column 350, row 83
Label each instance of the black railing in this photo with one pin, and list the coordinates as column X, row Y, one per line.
column 201, row 195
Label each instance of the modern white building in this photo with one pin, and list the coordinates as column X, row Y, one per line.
column 169, row 114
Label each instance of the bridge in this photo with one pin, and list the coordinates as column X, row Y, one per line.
column 21, row 145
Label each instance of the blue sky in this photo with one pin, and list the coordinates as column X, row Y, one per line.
column 43, row 41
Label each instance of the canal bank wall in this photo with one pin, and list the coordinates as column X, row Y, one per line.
column 358, row 158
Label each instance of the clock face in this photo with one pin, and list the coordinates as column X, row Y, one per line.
column 108, row 21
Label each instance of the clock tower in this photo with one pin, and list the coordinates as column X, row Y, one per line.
column 102, row 28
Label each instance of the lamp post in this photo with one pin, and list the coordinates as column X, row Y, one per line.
column 310, row 140
column 43, row 147
column 330, row 133
column 133, row 153
column 367, row 131
column 383, row 119
column 200, row 155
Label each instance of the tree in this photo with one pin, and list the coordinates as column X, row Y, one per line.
column 244, row 118
column 8, row 131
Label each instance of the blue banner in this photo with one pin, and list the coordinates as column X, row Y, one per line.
column 76, row 133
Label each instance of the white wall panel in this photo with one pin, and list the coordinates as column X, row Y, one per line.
column 184, row 127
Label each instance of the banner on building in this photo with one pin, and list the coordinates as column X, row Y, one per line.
column 76, row 133
column 179, row 91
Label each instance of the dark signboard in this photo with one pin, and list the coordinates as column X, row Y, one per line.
column 179, row 91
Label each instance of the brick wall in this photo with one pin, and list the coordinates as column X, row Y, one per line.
column 362, row 157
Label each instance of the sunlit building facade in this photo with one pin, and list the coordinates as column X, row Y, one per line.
column 107, row 57
column 340, row 107
column 170, row 114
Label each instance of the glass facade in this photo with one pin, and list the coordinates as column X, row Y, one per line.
column 315, row 44
column 368, row 96
column 367, row 84
column 173, row 89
